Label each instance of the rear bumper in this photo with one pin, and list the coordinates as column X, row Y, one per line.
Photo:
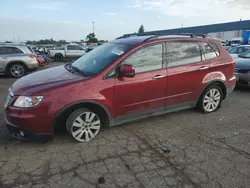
column 22, row 134
column 231, row 85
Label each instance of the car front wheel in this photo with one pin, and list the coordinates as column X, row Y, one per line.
column 83, row 125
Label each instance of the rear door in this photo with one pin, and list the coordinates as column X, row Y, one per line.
column 71, row 51
column 3, row 59
column 186, row 69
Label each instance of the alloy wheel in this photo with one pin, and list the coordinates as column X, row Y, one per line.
column 212, row 100
column 17, row 71
column 85, row 126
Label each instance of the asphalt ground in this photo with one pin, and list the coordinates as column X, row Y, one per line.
column 184, row 149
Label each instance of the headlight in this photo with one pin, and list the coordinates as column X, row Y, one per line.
column 26, row 102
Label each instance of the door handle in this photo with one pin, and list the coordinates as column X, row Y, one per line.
column 204, row 67
column 158, row 77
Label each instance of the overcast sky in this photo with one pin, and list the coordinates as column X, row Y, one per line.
column 72, row 19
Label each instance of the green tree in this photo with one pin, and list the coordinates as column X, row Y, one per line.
column 141, row 29
column 91, row 38
column 7, row 41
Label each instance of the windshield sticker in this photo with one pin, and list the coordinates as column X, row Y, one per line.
column 117, row 52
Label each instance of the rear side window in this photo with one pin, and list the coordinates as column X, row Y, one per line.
column 2, row 50
column 13, row 50
column 207, row 51
column 146, row 59
column 182, row 53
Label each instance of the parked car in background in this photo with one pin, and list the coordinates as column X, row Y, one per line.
column 237, row 41
column 242, row 68
column 17, row 60
column 121, row 81
column 235, row 51
column 68, row 52
column 45, row 55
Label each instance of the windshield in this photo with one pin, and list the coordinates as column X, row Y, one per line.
column 96, row 60
column 245, row 54
column 235, row 42
column 232, row 50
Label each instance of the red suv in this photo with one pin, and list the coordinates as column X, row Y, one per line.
column 120, row 81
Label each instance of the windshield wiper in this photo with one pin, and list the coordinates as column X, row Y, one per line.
column 75, row 69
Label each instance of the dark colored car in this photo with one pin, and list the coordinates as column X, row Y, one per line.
column 242, row 68
column 121, row 81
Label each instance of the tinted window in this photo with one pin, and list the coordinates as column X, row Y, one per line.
column 207, row 51
column 13, row 50
column 241, row 50
column 96, row 60
column 182, row 53
column 2, row 50
column 146, row 59
column 232, row 50
column 73, row 47
column 70, row 47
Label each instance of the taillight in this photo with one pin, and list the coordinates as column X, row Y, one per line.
column 32, row 56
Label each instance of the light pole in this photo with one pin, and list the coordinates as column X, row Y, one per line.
column 93, row 27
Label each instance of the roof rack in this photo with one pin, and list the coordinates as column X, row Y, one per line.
column 155, row 36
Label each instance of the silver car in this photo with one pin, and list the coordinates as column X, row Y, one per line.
column 16, row 60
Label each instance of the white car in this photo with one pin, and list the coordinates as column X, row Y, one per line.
column 68, row 52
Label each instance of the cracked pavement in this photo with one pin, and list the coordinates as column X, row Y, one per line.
column 185, row 149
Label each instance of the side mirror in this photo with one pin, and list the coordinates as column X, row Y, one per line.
column 126, row 70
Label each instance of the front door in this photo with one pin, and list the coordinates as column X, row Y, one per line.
column 187, row 67
column 147, row 90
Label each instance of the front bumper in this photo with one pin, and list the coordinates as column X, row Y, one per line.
column 243, row 78
column 22, row 134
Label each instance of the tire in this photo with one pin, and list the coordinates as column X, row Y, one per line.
column 211, row 99
column 17, row 70
column 83, row 125
column 58, row 57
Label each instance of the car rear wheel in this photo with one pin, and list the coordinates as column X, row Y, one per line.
column 17, row 70
column 83, row 125
column 211, row 99
column 58, row 57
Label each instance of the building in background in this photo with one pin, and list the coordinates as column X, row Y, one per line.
column 224, row 31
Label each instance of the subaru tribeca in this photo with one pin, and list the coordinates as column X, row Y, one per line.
column 120, row 81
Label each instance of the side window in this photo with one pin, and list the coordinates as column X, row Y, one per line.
column 182, row 53
column 240, row 50
column 70, row 47
column 77, row 47
column 13, row 50
column 2, row 50
column 208, row 51
column 146, row 59
column 215, row 48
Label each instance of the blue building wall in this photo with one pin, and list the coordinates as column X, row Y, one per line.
column 230, row 26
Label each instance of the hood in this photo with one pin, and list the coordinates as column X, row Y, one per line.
column 242, row 63
column 45, row 79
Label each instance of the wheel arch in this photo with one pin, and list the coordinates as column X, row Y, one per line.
column 15, row 62
column 62, row 115
column 216, row 82
column 58, row 54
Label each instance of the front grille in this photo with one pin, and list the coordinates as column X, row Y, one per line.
column 8, row 98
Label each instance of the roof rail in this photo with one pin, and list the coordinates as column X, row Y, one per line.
column 154, row 36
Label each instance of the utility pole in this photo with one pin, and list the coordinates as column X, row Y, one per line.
column 93, row 27
column 18, row 39
column 14, row 40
